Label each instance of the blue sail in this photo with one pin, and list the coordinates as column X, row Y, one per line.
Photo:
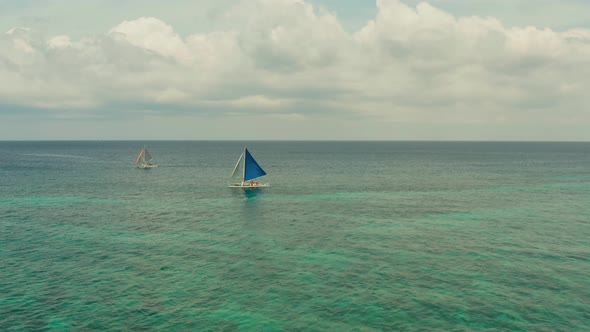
column 251, row 168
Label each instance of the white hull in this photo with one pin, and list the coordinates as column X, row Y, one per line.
column 249, row 186
column 147, row 166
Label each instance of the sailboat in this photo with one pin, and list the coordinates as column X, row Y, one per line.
column 248, row 170
column 144, row 160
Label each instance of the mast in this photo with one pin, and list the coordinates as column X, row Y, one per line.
column 244, row 170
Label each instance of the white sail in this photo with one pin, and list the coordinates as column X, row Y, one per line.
column 239, row 169
column 147, row 156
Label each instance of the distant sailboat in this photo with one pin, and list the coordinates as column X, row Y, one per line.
column 144, row 160
column 247, row 169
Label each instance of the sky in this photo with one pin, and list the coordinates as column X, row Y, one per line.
column 295, row 70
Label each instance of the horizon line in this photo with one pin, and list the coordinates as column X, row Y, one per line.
column 295, row 140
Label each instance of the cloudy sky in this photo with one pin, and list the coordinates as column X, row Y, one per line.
column 295, row 69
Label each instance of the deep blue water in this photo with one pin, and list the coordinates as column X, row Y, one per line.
column 352, row 236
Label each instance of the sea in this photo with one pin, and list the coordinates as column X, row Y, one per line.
column 351, row 236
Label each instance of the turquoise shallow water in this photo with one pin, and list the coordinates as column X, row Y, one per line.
column 353, row 236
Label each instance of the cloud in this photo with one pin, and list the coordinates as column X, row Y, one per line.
column 258, row 102
column 59, row 42
column 154, row 35
column 417, row 65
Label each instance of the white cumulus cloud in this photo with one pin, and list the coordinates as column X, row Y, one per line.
column 417, row 65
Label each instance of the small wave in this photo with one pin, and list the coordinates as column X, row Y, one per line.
column 51, row 155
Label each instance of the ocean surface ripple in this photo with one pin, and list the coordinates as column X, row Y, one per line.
column 352, row 236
